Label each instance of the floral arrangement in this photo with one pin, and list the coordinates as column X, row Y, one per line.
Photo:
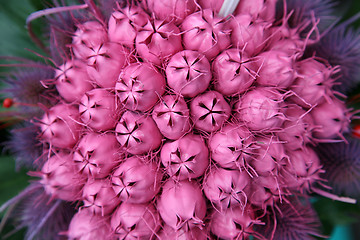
column 185, row 119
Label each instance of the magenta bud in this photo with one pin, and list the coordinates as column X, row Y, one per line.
column 137, row 133
column 86, row 226
column 72, row 80
column 59, row 126
column 231, row 146
column 332, row 119
column 171, row 10
column 185, row 158
column 139, row 86
column 233, row 223
column 276, row 69
column 157, row 41
column 105, row 63
column 61, row 179
column 136, row 181
column 195, row 233
column 188, row 73
column 125, row 23
column 182, row 204
column 171, row 116
column 97, row 154
column 260, row 109
column 205, row 32
column 98, row 109
column 225, row 188
column 234, row 73
column 209, row 111
column 135, row 221
column 89, row 35
column 99, row 197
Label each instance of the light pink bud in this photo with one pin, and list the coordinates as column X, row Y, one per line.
column 313, row 84
column 72, row 80
column 99, row 197
column 157, row 41
column 137, row 133
column 276, row 68
column 269, row 155
column 61, row 179
column 124, row 24
column 260, row 109
column 171, row 115
column 97, row 154
column 194, row 233
column 86, row 226
column 209, row 111
column 225, row 188
column 97, row 109
column 214, row 5
column 331, row 118
column 105, row 63
column 188, row 73
column 231, row 146
column 139, row 86
column 205, row 32
column 135, row 181
column 303, row 169
column 182, row 204
column 247, row 35
column 185, row 158
column 89, row 35
column 233, row 223
column 171, row 10
column 135, row 221
column 59, row 127
column 234, row 73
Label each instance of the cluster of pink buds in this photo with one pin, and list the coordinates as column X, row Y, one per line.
column 187, row 123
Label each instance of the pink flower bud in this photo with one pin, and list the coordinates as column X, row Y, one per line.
column 332, row 119
column 313, row 84
column 276, row 68
column 233, row 223
column 135, row 181
column 171, row 10
column 185, row 158
column 231, row 146
column 260, row 109
column 188, row 73
column 225, row 188
column 72, row 80
column 234, row 73
column 59, row 127
column 97, row 109
column 86, row 226
column 99, row 197
column 139, row 86
column 97, row 154
column 209, row 111
column 171, row 115
column 182, row 204
column 157, row 41
column 124, row 24
column 269, row 155
column 60, row 177
column 194, row 233
column 105, row 63
column 135, row 221
column 89, row 35
column 205, row 32
column 137, row 133
column 214, row 5
column 247, row 35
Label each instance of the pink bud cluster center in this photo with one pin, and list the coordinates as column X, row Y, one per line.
column 185, row 123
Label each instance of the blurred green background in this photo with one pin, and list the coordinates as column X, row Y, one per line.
column 340, row 220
